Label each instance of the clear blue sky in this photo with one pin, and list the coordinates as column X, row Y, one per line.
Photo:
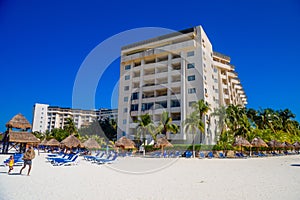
column 43, row 44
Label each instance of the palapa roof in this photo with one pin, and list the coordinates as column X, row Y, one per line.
column 240, row 141
column 72, row 141
column 162, row 142
column 44, row 142
column 274, row 143
column 296, row 145
column 125, row 143
column 287, row 145
column 18, row 121
column 22, row 137
column 258, row 142
column 91, row 143
column 53, row 143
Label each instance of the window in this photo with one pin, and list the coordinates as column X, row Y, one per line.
column 125, row 99
column 147, row 106
column 125, row 110
column 190, row 53
column 215, row 70
column 126, row 88
column 191, row 103
column 175, row 103
column 204, row 65
column 191, row 78
column 134, row 107
column 191, row 90
column 124, row 121
column 123, row 133
column 135, row 96
column 204, row 77
column 127, row 67
column 127, row 77
column 191, row 65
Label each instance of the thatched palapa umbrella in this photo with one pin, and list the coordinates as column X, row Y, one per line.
column 296, row 145
column 258, row 142
column 161, row 143
column 72, row 142
column 91, row 143
column 287, row 145
column 125, row 143
column 274, row 144
column 23, row 137
column 44, row 142
column 53, row 143
column 18, row 121
column 241, row 142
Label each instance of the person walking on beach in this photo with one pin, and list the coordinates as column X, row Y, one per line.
column 11, row 163
column 28, row 157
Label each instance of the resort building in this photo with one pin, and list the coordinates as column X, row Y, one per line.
column 46, row 117
column 170, row 73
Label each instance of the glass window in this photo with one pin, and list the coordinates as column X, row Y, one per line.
column 124, row 121
column 175, row 103
column 191, row 65
column 191, row 90
column 125, row 99
column 126, row 88
column 127, row 67
column 127, row 77
column 190, row 53
column 191, row 78
column 125, row 110
column 135, row 96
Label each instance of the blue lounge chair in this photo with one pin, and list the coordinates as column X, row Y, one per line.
column 201, row 155
column 108, row 161
column 221, row 155
column 210, row 154
column 66, row 161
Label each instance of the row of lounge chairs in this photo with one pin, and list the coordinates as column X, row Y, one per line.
column 62, row 159
column 102, row 158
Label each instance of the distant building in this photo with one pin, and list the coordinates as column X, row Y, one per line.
column 170, row 73
column 46, row 117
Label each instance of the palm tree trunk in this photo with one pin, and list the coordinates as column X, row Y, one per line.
column 194, row 154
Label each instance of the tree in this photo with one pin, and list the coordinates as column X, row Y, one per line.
column 145, row 126
column 70, row 127
column 220, row 113
column 165, row 125
column 201, row 108
column 191, row 124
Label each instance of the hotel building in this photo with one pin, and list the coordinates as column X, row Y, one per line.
column 47, row 117
column 170, row 73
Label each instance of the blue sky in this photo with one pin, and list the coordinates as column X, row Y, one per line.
column 43, row 44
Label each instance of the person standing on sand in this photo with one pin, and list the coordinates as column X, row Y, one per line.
column 11, row 163
column 28, row 157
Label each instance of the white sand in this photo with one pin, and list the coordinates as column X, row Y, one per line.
column 255, row 178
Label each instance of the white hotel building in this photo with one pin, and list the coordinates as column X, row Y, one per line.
column 46, row 117
column 170, row 73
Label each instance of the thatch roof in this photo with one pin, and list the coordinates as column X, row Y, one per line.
column 125, row 143
column 53, row 143
column 91, row 143
column 162, row 142
column 72, row 142
column 274, row 144
column 240, row 141
column 258, row 142
column 22, row 137
column 287, row 145
column 18, row 121
column 44, row 142
column 296, row 145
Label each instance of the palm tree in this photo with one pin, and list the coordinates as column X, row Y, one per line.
column 165, row 125
column 70, row 127
column 221, row 114
column 191, row 124
column 285, row 116
column 201, row 108
column 145, row 126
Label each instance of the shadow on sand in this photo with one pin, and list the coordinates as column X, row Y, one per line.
column 295, row 165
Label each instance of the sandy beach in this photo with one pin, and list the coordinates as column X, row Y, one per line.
column 156, row 178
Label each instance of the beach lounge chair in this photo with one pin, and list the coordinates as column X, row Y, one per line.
column 65, row 162
column 201, row 155
column 221, row 155
column 108, row 161
column 210, row 154
column 18, row 161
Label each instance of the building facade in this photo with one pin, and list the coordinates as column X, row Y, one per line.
column 46, row 117
column 170, row 73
